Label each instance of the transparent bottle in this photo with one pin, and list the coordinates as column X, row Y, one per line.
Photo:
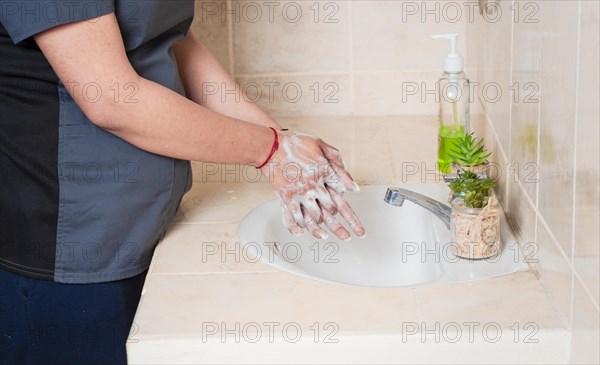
column 454, row 103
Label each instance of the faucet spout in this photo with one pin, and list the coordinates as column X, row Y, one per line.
column 397, row 196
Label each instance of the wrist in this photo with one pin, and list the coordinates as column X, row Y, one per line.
column 274, row 146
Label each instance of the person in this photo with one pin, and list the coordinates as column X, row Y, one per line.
column 102, row 106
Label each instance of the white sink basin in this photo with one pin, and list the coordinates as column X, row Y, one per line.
column 404, row 246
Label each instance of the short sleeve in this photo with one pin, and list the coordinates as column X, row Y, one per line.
column 22, row 19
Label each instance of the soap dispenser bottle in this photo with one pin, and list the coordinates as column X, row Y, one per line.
column 453, row 87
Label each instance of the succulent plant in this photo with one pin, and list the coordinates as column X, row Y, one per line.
column 468, row 151
column 472, row 188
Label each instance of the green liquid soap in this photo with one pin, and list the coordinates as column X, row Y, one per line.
column 448, row 134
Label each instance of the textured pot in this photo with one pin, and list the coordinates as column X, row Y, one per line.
column 475, row 231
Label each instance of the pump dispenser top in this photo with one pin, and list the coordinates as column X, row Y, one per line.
column 453, row 62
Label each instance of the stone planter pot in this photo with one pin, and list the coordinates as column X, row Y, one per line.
column 476, row 231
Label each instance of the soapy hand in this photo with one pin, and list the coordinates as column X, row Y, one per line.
column 310, row 178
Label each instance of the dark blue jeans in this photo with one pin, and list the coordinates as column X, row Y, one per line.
column 43, row 322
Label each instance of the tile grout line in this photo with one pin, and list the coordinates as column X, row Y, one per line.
column 574, row 188
column 496, row 138
column 351, row 59
column 221, row 273
column 334, row 72
column 231, row 55
column 554, row 239
column 510, row 109
column 417, row 302
column 566, row 258
column 537, row 152
column 538, row 215
column 587, row 291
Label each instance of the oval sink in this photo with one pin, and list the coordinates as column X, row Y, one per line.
column 404, row 246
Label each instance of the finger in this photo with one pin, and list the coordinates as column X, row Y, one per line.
column 313, row 227
column 332, row 154
column 340, row 174
column 290, row 222
column 334, row 226
column 296, row 213
column 310, row 207
column 325, row 200
column 340, row 180
column 348, row 214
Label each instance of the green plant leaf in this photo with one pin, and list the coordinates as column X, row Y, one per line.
column 472, row 188
column 469, row 151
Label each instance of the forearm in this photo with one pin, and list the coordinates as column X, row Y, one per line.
column 166, row 123
column 207, row 83
column 159, row 120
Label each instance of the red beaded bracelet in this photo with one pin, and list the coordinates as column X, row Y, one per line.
column 273, row 149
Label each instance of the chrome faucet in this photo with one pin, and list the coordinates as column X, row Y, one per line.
column 396, row 197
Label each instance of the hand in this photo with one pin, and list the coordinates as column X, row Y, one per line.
column 310, row 178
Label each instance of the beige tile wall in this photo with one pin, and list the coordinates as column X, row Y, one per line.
column 311, row 58
column 333, row 57
column 544, row 132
